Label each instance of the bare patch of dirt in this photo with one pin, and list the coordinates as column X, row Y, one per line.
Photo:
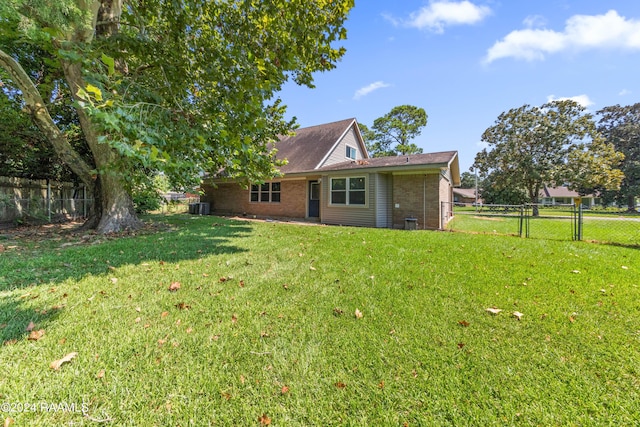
column 487, row 218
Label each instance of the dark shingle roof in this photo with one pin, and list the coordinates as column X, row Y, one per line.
column 309, row 145
column 414, row 161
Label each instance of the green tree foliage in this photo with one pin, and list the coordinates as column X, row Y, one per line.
column 620, row 125
column 468, row 180
column 554, row 144
column 391, row 134
column 182, row 87
column 24, row 150
column 493, row 194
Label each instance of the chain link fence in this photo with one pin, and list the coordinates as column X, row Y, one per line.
column 557, row 222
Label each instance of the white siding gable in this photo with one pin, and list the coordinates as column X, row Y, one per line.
column 338, row 153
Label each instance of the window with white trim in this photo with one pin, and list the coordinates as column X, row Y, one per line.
column 351, row 153
column 348, row 191
column 269, row 192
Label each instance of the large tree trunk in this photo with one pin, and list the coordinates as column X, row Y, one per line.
column 113, row 209
column 113, row 206
column 116, row 207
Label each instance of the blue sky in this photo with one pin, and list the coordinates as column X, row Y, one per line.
column 467, row 61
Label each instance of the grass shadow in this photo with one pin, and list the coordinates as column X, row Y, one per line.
column 77, row 255
column 19, row 319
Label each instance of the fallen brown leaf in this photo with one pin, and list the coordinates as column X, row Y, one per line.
column 56, row 364
column 100, row 374
column 463, row 323
column 358, row 314
column 517, row 315
column 493, row 310
column 284, row 389
column 174, row 286
column 8, row 422
column 36, row 335
column 264, row 420
column 340, row 384
column 30, row 326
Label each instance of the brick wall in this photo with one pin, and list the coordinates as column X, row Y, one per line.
column 409, row 193
column 233, row 199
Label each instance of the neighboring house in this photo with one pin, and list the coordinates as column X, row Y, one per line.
column 331, row 179
column 465, row 196
column 563, row 196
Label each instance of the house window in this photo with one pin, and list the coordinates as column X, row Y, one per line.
column 265, row 193
column 351, row 153
column 348, row 191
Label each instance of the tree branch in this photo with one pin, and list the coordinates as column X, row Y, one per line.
column 36, row 107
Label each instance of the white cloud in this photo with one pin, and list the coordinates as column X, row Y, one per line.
column 624, row 92
column 581, row 32
column 370, row 88
column 580, row 99
column 534, row 21
column 440, row 14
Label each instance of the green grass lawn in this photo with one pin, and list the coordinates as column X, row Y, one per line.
column 284, row 324
column 622, row 230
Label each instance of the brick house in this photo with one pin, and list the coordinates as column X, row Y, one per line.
column 330, row 178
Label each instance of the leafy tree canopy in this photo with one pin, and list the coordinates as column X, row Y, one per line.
column 468, row 180
column 391, row 134
column 25, row 152
column 620, row 125
column 184, row 87
column 554, row 144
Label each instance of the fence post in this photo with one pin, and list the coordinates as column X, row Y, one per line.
column 48, row 202
column 521, row 220
column 580, row 222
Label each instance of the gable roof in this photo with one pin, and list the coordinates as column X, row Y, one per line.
column 309, row 146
